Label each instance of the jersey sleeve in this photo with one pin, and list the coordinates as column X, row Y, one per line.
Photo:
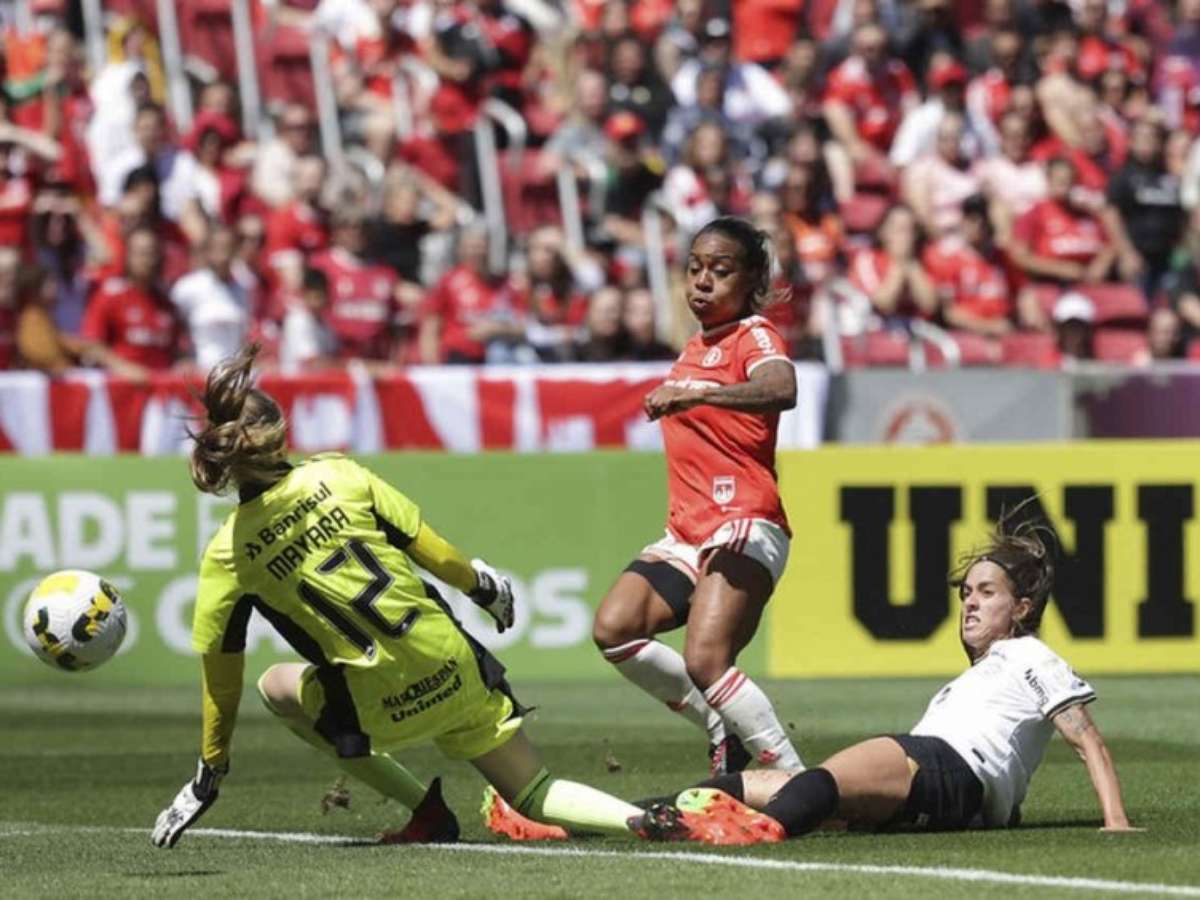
column 398, row 517
column 1054, row 684
column 222, row 608
column 760, row 343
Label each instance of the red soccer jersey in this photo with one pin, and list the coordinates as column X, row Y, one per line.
column 139, row 326
column 877, row 103
column 461, row 299
column 969, row 280
column 295, row 228
column 361, row 304
column 8, row 337
column 16, row 205
column 869, row 268
column 1054, row 231
column 721, row 463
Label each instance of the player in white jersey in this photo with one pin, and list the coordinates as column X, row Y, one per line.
column 969, row 760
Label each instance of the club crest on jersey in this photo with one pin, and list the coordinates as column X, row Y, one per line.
column 711, row 358
column 723, row 489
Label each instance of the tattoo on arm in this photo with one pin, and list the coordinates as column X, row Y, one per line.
column 1074, row 721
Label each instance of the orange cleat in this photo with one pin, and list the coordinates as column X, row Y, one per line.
column 502, row 819
column 720, row 819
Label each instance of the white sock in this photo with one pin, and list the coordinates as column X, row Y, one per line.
column 748, row 714
column 660, row 672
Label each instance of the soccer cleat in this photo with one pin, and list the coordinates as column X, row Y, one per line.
column 727, row 819
column 661, row 822
column 667, row 822
column 502, row 819
column 432, row 822
column 728, row 756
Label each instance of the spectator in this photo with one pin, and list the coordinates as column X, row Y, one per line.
column 1058, row 240
column 633, row 87
column 792, row 307
column 133, row 315
column 67, row 240
column 306, row 341
column 139, row 207
column 750, row 95
column 116, row 94
column 1012, row 182
column 1183, row 286
column 548, row 292
column 270, row 178
column 1164, row 338
column 604, row 338
column 220, row 187
column 918, row 133
column 467, row 317
column 637, row 320
column 680, row 40
column 867, row 96
column 634, row 174
column 397, row 236
column 816, row 231
column 1074, row 326
column 989, row 94
column 175, row 172
column 708, row 109
column 935, row 186
column 365, row 309
column 765, row 30
column 891, row 274
column 801, row 78
column 928, row 28
column 969, row 275
column 40, row 344
column 215, row 305
column 688, row 189
column 300, row 228
column 16, row 185
column 1146, row 214
column 10, row 267
column 582, row 134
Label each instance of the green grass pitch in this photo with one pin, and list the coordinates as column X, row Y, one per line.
column 85, row 769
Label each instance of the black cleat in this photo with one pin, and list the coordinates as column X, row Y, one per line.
column 661, row 822
column 432, row 821
column 728, row 757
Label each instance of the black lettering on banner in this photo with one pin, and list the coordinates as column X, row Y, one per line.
column 1079, row 576
column 869, row 512
column 1165, row 612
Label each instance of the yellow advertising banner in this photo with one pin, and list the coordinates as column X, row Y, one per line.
column 878, row 529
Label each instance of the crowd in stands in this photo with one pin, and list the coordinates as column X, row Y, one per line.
column 1021, row 175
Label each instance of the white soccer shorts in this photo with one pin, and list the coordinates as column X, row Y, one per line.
column 759, row 539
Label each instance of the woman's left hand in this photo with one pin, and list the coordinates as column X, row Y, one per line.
column 668, row 399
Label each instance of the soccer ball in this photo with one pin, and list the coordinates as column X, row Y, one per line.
column 74, row 620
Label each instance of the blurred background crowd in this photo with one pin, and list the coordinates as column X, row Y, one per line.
column 410, row 182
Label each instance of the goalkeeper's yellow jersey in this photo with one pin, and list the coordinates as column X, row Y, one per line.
column 320, row 554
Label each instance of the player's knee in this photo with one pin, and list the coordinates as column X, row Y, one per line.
column 706, row 664
column 613, row 626
column 278, row 690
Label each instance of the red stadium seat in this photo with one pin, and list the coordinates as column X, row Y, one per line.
column 1122, row 345
column 876, row 348
column 1121, row 303
column 977, row 350
column 285, row 67
column 206, row 33
column 1025, row 348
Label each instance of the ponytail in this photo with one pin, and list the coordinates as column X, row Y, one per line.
column 244, row 438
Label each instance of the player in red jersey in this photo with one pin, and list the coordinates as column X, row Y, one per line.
column 727, row 536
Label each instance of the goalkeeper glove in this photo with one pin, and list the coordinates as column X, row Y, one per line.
column 189, row 804
column 493, row 594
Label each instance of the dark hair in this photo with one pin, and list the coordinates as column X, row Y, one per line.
column 755, row 245
column 1024, row 549
column 140, row 176
column 244, row 439
column 314, row 280
column 975, row 205
column 151, row 107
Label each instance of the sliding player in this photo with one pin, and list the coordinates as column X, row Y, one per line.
column 324, row 551
column 727, row 536
column 970, row 758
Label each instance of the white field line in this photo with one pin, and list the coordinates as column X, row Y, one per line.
column 937, row 873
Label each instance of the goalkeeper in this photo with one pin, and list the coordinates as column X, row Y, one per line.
column 324, row 551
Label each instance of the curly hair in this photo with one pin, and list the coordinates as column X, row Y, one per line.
column 244, row 438
column 757, row 256
column 1025, row 551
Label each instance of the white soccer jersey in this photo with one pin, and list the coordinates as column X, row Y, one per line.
column 997, row 714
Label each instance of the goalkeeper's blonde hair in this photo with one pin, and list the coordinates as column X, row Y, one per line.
column 244, row 438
